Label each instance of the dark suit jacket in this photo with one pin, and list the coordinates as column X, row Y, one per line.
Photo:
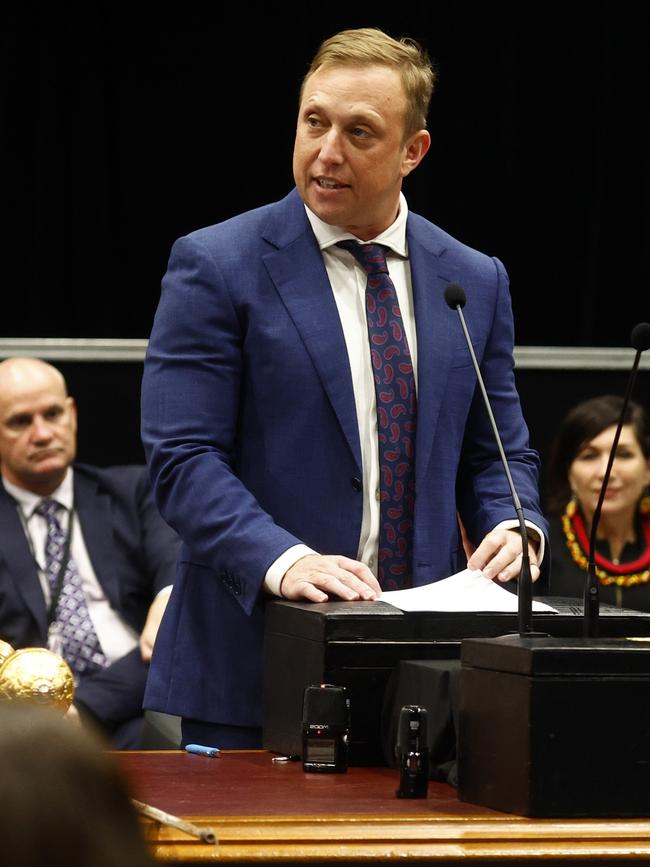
column 134, row 555
column 249, row 424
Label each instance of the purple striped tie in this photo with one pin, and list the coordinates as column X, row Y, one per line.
column 396, row 416
column 80, row 646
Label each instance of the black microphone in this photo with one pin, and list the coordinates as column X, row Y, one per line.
column 456, row 298
column 412, row 752
column 640, row 340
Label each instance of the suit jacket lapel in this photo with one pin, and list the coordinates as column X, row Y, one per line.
column 19, row 562
column 94, row 511
column 296, row 267
column 435, row 326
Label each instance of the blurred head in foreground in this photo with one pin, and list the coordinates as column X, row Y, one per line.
column 63, row 800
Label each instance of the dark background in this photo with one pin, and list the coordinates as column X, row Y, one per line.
column 119, row 137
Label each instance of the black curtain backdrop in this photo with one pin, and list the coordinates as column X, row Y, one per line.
column 117, row 138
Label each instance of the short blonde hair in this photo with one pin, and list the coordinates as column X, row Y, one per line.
column 369, row 46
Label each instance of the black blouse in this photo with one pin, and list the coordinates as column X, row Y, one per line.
column 568, row 579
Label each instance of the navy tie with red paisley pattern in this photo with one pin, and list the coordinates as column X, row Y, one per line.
column 396, row 416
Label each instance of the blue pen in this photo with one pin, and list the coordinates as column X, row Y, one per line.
column 200, row 750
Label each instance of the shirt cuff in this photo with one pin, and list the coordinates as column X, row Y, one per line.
column 539, row 536
column 277, row 570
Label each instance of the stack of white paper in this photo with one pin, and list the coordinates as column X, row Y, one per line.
column 469, row 590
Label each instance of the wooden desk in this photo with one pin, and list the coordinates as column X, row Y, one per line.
column 264, row 811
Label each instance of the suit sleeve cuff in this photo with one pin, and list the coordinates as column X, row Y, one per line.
column 277, row 570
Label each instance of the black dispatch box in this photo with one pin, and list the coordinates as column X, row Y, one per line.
column 555, row 728
column 357, row 645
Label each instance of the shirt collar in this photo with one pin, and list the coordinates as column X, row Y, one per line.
column 394, row 237
column 28, row 500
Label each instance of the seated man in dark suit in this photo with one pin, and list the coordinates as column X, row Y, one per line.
column 86, row 561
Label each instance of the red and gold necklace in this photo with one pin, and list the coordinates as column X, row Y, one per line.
column 608, row 572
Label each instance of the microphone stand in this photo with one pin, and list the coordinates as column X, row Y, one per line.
column 591, row 593
column 525, row 584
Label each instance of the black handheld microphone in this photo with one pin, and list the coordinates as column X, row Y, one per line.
column 640, row 340
column 412, row 752
column 456, row 298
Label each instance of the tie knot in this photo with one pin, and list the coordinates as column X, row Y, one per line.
column 48, row 509
column 371, row 257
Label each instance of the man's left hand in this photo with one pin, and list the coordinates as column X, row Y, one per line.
column 499, row 556
column 154, row 616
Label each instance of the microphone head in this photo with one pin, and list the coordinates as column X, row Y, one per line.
column 455, row 296
column 640, row 337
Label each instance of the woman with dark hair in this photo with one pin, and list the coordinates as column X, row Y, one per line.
column 575, row 474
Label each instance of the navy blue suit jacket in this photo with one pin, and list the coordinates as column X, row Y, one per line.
column 249, row 425
column 134, row 555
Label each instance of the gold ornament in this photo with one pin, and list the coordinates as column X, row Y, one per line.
column 38, row 675
column 580, row 557
column 5, row 650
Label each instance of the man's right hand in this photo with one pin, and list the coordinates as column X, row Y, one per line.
column 316, row 577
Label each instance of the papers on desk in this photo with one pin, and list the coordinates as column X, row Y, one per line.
column 469, row 590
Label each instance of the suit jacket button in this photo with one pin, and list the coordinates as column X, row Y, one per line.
column 356, row 484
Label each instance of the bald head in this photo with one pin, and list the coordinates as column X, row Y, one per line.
column 38, row 425
column 22, row 373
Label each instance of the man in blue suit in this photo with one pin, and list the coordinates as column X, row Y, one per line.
column 117, row 549
column 264, row 433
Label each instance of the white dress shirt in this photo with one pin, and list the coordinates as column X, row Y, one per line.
column 115, row 635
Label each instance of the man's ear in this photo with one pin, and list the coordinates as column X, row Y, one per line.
column 72, row 409
column 415, row 150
